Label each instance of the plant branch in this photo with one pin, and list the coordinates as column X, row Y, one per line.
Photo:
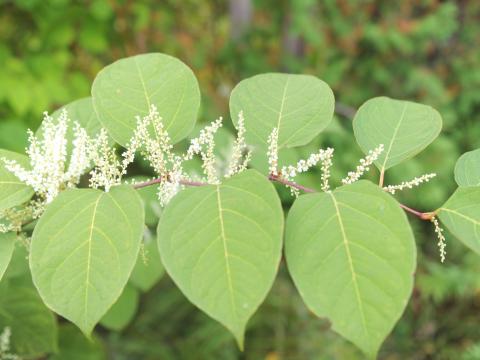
column 277, row 178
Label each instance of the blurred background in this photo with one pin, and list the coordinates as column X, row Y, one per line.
column 420, row 50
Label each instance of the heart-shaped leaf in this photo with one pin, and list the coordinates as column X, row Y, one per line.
column 404, row 128
column 221, row 244
column 299, row 106
column 461, row 215
column 128, row 87
column 83, row 250
column 351, row 254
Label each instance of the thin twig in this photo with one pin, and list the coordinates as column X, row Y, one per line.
column 277, row 178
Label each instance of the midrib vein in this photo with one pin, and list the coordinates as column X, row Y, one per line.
column 89, row 258
column 142, row 81
column 394, row 136
column 461, row 215
column 350, row 262
column 280, row 113
column 225, row 250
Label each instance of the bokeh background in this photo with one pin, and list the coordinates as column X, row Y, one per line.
column 420, row 50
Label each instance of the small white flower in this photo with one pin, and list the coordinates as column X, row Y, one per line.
column 272, row 152
column 5, row 345
column 392, row 189
column 206, row 138
column 238, row 162
column 364, row 165
column 441, row 239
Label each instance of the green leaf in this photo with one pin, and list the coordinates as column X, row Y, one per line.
column 7, row 245
column 352, row 255
column 13, row 192
column 467, row 169
column 461, row 215
column 148, row 271
column 300, row 106
column 222, row 246
column 74, row 346
column 33, row 326
column 123, row 311
column 83, row 250
column 128, row 87
column 404, row 128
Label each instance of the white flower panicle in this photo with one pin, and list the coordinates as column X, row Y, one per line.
column 204, row 145
column 272, row 152
column 324, row 156
column 5, row 345
column 441, row 239
column 48, row 158
column 364, row 165
column 239, row 160
column 392, row 189
column 109, row 169
column 326, row 165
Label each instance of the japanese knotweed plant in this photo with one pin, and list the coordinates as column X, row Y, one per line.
column 221, row 235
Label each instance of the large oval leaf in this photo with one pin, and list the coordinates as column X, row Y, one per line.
column 83, row 250
column 13, row 192
column 300, row 106
column 128, row 87
column 461, row 215
column 7, row 245
column 222, row 246
column 33, row 326
column 467, row 169
column 351, row 254
column 404, row 128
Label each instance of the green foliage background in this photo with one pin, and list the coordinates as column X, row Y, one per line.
column 426, row 51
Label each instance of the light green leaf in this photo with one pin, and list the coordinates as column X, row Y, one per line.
column 467, row 169
column 222, row 246
column 74, row 346
column 33, row 326
column 461, row 215
column 128, row 87
column 148, row 270
column 83, row 250
column 300, row 106
column 352, row 256
column 7, row 245
column 123, row 311
column 13, row 192
column 404, row 128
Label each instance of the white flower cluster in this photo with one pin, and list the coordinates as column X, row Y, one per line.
column 5, row 345
column 238, row 159
column 364, row 166
column 109, row 170
column 272, row 152
column 12, row 220
column 441, row 239
column 49, row 170
column 204, row 145
column 168, row 166
column 289, row 172
column 392, row 189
